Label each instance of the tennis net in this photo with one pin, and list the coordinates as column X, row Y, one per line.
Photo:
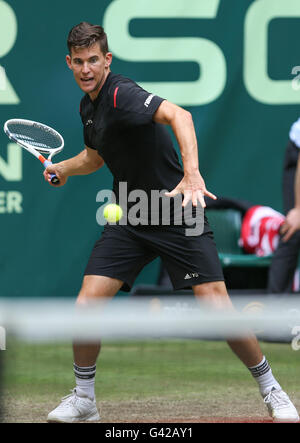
column 161, row 359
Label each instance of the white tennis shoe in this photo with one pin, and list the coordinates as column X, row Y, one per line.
column 280, row 407
column 74, row 409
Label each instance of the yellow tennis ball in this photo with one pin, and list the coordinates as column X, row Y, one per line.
column 112, row 213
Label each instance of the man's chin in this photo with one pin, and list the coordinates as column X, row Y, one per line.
column 87, row 88
column 90, row 89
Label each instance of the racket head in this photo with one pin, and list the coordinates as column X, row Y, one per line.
column 33, row 135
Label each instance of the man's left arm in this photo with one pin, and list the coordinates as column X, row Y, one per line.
column 192, row 186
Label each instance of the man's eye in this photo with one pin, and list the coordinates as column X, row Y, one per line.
column 94, row 60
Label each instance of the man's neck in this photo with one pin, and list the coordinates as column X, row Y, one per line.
column 94, row 94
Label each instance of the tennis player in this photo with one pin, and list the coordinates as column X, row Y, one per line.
column 124, row 126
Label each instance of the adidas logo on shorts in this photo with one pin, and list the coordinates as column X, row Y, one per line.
column 191, row 275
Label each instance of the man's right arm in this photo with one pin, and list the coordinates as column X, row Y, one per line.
column 86, row 162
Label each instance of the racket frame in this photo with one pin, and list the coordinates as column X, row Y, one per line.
column 37, row 152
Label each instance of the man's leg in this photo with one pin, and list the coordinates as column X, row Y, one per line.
column 215, row 293
column 81, row 404
column 248, row 350
column 94, row 288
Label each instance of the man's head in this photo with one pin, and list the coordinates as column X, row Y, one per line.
column 86, row 35
column 88, row 57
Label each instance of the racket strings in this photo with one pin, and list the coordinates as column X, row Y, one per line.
column 39, row 137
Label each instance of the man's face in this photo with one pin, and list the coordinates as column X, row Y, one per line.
column 90, row 68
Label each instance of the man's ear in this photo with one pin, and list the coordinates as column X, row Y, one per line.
column 69, row 61
column 108, row 59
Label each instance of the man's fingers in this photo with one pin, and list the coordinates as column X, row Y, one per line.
column 188, row 195
column 51, row 170
column 287, row 231
column 288, row 234
column 284, row 228
column 194, row 196
column 172, row 193
column 210, row 195
column 48, row 175
column 201, row 199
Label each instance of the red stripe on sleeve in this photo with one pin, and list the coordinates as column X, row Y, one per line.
column 115, row 97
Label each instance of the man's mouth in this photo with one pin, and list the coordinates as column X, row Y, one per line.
column 87, row 80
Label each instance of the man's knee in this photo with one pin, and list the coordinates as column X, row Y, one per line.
column 96, row 288
column 213, row 293
column 211, row 288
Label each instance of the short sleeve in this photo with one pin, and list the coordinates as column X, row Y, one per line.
column 135, row 103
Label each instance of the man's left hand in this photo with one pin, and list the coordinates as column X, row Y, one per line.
column 193, row 188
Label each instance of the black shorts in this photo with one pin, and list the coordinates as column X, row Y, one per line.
column 123, row 251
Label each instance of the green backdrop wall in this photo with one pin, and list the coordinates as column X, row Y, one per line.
column 232, row 63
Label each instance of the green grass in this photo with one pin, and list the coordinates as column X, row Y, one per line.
column 135, row 370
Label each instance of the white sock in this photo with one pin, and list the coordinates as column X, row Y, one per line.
column 264, row 377
column 85, row 381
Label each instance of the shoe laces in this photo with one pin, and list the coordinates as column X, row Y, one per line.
column 70, row 399
column 277, row 399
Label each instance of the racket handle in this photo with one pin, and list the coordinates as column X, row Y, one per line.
column 53, row 178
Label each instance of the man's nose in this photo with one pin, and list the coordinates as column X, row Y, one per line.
column 85, row 68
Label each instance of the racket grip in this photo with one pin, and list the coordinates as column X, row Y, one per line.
column 53, row 178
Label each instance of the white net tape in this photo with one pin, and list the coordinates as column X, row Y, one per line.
column 142, row 317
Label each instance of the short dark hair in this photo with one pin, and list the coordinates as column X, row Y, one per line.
column 85, row 35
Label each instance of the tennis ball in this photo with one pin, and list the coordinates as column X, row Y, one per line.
column 112, row 213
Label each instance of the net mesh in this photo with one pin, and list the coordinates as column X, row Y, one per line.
column 37, row 135
column 148, row 317
column 163, row 359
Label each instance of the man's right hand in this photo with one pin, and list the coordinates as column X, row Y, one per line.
column 57, row 169
column 291, row 224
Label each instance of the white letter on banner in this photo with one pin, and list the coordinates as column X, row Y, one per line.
column 12, row 169
column 205, row 53
column 8, row 35
column 259, row 85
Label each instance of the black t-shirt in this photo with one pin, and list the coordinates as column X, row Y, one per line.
column 119, row 125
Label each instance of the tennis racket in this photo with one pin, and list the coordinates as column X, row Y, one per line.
column 37, row 139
